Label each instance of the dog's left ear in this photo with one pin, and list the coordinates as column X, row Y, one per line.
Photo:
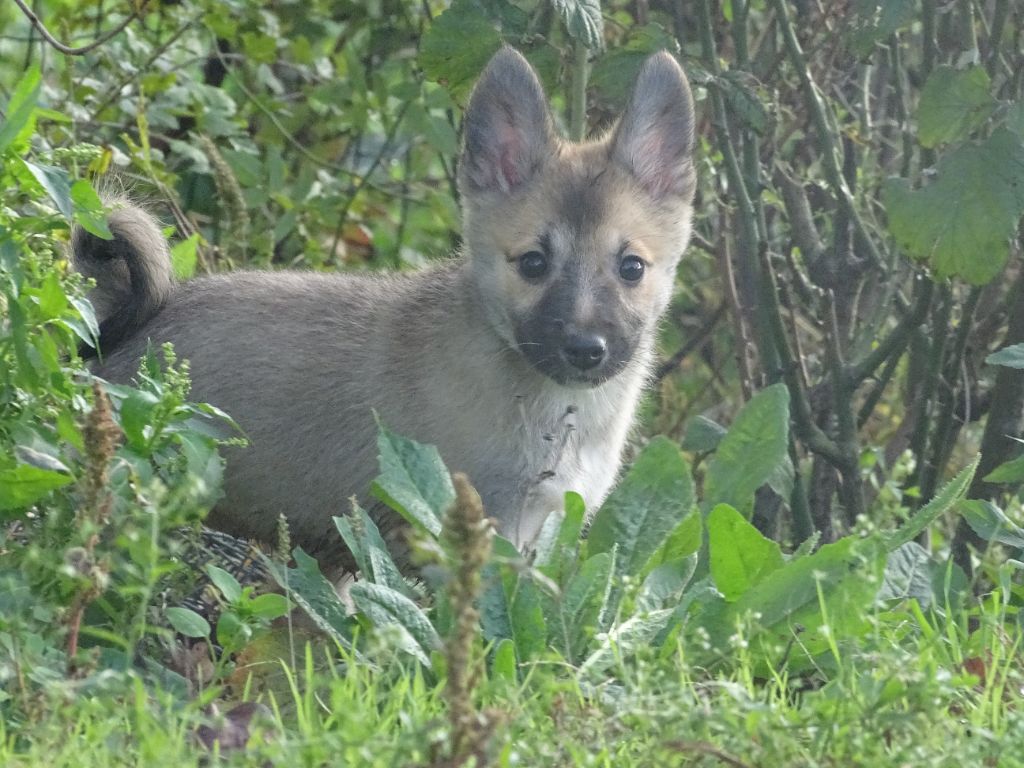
column 654, row 139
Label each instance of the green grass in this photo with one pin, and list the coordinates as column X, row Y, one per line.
column 900, row 697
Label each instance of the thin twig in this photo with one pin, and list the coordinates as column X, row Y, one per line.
column 68, row 50
column 692, row 344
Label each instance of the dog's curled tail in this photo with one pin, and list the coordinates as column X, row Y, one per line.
column 133, row 273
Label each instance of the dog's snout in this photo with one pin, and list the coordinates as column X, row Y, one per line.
column 585, row 350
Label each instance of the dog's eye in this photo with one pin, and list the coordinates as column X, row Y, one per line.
column 533, row 264
column 631, row 268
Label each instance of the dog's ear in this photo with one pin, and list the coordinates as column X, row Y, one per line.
column 507, row 129
column 654, row 139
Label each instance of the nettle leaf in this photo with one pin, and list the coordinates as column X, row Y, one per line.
column 991, row 523
column 751, row 451
column 647, row 505
column 413, row 481
column 457, row 46
column 57, row 185
column 25, row 484
column 583, row 20
column 953, row 103
column 908, row 574
column 740, row 556
column 960, row 224
column 1010, row 357
column 1011, row 471
column 371, row 553
column 309, row 589
column 386, row 607
column 947, row 496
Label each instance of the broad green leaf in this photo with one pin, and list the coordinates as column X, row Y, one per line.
column 232, row 632
column 847, row 573
column 875, row 20
column 526, row 615
column 19, row 113
column 908, row 574
column 225, row 582
column 740, row 556
column 583, row 20
column 665, row 584
column 991, row 523
column 685, row 540
column 1011, row 471
column 52, row 299
column 702, row 435
column 494, row 610
column 184, row 255
column 740, row 90
column 947, row 496
column 25, row 484
column 187, row 622
column 583, row 601
column 457, row 46
column 1015, row 118
column 961, row 222
column 559, row 540
column 953, row 103
column 503, row 662
column 413, row 481
column 135, row 412
column 751, row 451
column 269, row 606
column 89, row 328
column 88, row 209
column 307, row 587
column 647, row 505
column 57, row 185
column 386, row 607
column 1010, row 357
column 614, row 73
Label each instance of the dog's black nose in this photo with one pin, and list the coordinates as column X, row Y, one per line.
column 585, row 350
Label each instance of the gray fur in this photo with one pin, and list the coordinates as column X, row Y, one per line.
column 133, row 271
column 300, row 359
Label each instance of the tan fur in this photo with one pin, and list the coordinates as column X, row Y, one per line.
column 443, row 355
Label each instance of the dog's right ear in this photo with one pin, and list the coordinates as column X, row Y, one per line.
column 507, row 129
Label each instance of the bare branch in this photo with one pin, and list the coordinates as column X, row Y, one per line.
column 68, row 50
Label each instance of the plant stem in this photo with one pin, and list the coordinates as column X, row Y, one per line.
column 578, row 94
